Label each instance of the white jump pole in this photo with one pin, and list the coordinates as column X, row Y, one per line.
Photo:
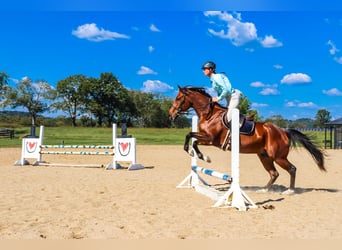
column 31, row 148
column 235, row 197
column 193, row 179
column 41, row 138
column 124, row 150
column 114, row 164
column 129, row 154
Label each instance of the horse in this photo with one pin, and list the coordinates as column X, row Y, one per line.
column 271, row 143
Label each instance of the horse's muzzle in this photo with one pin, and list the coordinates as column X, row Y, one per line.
column 173, row 114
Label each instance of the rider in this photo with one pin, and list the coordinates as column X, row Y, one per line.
column 223, row 87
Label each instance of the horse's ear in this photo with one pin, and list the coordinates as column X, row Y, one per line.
column 181, row 89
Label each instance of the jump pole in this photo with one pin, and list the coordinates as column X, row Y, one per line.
column 193, row 180
column 122, row 150
column 235, row 196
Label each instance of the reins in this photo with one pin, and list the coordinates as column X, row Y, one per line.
column 211, row 105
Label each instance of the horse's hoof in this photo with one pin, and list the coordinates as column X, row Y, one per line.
column 262, row 190
column 191, row 153
column 288, row 192
column 207, row 159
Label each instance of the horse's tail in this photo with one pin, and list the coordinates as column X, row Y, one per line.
column 317, row 154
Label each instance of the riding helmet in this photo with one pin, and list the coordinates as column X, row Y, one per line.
column 209, row 65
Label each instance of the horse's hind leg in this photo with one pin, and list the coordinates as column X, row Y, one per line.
column 268, row 164
column 291, row 169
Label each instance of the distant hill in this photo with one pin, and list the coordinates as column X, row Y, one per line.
column 14, row 113
column 17, row 119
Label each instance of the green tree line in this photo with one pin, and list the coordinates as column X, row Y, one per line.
column 89, row 101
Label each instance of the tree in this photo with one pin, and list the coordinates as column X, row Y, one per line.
column 256, row 116
column 71, row 93
column 107, row 99
column 3, row 80
column 144, row 103
column 278, row 120
column 323, row 116
column 244, row 105
column 302, row 123
column 31, row 95
column 182, row 122
column 3, row 85
column 152, row 109
column 160, row 112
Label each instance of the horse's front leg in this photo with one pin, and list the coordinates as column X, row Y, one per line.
column 200, row 139
column 186, row 143
column 199, row 154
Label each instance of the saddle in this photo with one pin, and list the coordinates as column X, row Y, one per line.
column 247, row 123
column 247, row 126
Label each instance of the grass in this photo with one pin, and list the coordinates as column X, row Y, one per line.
column 98, row 136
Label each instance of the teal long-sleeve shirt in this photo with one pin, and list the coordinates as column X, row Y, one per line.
column 221, row 85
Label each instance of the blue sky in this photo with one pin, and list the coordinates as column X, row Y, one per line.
column 287, row 63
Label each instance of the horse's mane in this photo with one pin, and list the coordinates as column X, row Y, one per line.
column 202, row 91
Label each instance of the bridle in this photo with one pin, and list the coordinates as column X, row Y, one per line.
column 183, row 98
column 179, row 109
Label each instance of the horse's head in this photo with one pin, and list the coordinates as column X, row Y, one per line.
column 180, row 104
column 191, row 97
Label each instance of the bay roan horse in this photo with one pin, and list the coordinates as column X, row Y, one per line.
column 271, row 143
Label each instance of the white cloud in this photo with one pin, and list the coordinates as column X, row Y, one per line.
column 14, row 80
column 146, row 71
column 91, row 32
column 338, row 59
column 278, row 66
column 269, row 91
column 154, row 28
column 239, row 32
column 270, row 42
column 257, row 84
column 155, row 86
column 290, row 104
column 332, row 92
column 150, row 48
column 333, row 50
column 259, row 105
column 25, row 78
column 306, row 105
column 294, row 78
column 299, row 104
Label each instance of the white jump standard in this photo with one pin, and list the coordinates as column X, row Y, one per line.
column 122, row 150
column 235, row 196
